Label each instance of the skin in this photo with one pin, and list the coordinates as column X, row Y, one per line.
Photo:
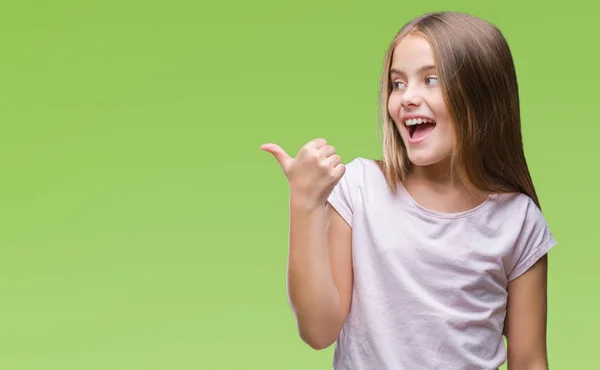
column 526, row 319
column 320, row 273
column 416, row 91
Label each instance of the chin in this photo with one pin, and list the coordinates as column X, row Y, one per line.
column 427, row 156
column 424, row 160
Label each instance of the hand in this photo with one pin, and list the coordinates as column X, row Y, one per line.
column 314, row 172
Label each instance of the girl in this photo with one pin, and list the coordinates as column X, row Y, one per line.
column 426, row 258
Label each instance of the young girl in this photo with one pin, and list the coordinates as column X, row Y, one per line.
column 426, row 258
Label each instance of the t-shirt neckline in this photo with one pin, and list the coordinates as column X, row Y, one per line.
column 449, row 215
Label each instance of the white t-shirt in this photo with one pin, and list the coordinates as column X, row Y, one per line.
column 430, row 288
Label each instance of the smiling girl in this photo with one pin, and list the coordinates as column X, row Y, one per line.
column 426, row 258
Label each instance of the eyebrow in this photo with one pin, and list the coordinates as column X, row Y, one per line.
column 420, row 70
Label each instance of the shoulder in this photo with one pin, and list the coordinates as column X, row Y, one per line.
column 359, row 163
column 521, row 207
column 532, row 237
column 361, row 175
column 361, row 169
column 364, row 174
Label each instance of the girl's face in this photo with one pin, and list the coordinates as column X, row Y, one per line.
column 416, row 103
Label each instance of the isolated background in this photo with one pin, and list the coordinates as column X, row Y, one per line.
column 142, row 228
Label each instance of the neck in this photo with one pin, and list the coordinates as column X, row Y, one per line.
column 438, row 187
column 437, row 176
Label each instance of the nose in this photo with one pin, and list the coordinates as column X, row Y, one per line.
column 411, row 97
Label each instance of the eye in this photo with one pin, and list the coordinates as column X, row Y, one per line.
column 432, row 81
column 397, row 84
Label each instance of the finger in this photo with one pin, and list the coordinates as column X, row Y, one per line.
column 280, row 155
column 317, row 143
column 339, row 171
column 335, row 160
column 327, row 151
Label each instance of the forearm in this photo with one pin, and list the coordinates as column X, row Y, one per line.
column 312, row 292
column 539, row 365
column 526, row 358
column 527, row 319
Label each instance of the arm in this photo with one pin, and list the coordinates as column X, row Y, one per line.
column 526, row 319
column 319, row 273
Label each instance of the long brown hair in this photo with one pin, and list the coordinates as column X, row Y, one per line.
column 477, row 75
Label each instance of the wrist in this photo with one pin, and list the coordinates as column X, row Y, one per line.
column 303, row 203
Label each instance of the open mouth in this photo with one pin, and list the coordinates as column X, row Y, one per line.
column 419, row 128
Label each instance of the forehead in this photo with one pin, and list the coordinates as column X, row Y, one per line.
column 412, row 53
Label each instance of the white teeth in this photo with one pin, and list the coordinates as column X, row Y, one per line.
column 416, row 121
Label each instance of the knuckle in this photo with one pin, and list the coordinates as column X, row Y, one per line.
column 309, row 152
column 318, row 141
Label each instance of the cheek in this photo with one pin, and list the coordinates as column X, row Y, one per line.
column 439, row 107
column 441, row 113
column 394, row 106
column 445, row 126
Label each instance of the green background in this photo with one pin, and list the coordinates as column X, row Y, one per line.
column 141, row 226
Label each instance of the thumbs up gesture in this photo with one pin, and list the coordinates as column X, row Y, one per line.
column 314, row 172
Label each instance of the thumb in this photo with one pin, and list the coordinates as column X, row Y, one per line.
column 280, row 155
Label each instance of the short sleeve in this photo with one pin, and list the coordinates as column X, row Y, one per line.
column 342, row 196
column 534, row 241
